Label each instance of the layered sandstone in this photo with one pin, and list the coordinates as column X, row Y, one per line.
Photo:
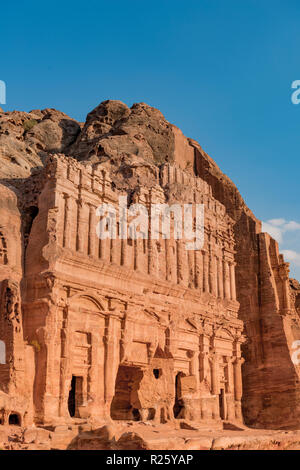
column 142, row 330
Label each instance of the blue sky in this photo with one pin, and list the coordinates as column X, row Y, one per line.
column 220, row 70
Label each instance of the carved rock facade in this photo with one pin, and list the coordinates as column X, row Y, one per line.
column 99, row 330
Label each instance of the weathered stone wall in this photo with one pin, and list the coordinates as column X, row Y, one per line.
column 141, row 329
column 270, row 378
column 145, row 308
column 15, row 368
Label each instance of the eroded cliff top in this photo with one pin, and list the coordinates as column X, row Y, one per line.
column 115, row 135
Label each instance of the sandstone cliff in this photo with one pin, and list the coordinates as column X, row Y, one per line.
column 132, row 143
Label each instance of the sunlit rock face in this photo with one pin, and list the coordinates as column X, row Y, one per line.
column 100, row 331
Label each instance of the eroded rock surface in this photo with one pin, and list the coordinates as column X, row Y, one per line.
column 110, row 331
column 26, row 139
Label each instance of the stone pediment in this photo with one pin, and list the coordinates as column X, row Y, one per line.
column 85, row 302
column 146, row 315
column 191, row 323
column 224, row 333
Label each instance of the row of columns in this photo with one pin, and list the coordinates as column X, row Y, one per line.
column 234, row 376
column 99, row 381
column 105, row 359
column 207, row 367
column 165, row 259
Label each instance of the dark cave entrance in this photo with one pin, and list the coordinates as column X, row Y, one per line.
column 178, row 396
column 125, row 404
column 222, row 403
column 75, row 395
column 14, row 419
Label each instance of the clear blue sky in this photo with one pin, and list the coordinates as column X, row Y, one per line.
column 220, row 70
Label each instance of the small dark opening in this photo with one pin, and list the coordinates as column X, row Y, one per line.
column 151, row 414
column 222, row 404
column 125, row 404
column 136, row 414
column 157, row 373
column 29, row 216
column 75, row 395
column 14, row 419
column 178, row 398
column 71, row 400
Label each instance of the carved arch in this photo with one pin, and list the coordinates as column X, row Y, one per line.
column 88, row 298
column 226, row 330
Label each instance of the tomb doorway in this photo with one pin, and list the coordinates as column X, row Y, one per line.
column 125, row 404
column 75, row 395
column 222, row 403
column 178, row 405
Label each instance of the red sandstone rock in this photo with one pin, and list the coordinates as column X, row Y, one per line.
column 25, row 139
column 115, row 331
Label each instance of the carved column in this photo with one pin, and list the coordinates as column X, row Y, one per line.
column 230, row 389
column 73, row 223
column 215, row 374
column 107, row 245
column 92, row 242
column 191, row 268
column 204, row 373
column 123, row 252
column 226, row 279
column 100, row 365
column 82, row 227
column 238, row 387
column 65, row 363
column 238, row 384
column 232, row 281
column 79, row 242
column 214, row 360
column 230, row 375
column 213, row 275
column 161, row 259
column 170, row 261
column 113, row 251
column 284, row 275
column 136, row 254
column 153, row 261
column 92, row 385
column 112, row 355
column 67, row 221
column 194, row 365
column 199, row 270
column 205, row 361
column 220, row 278
column 182, row 263
column 205, row 271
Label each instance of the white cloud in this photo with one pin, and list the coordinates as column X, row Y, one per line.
column 275, row 232
column 292, row 256
column 277, row 222
column 277, row 227
column 292, row 226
